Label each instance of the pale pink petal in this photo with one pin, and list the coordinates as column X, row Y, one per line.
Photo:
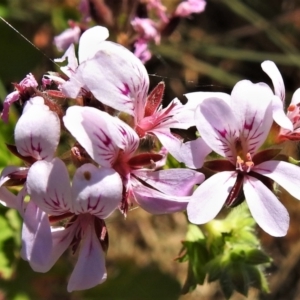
column 209, row 197
column 195, row 98
column 170, row 142
column 96, row 191
column 66, row 38
column 73, row 87
column 296, row 97
column 117, row 78
column 185, row 8
column 36, row 238
column 285, row 174
column 141, row 50
column 101, row 135
column 8, row 199
column 265, row 208
column 279, row 115
column 155, row 202
column 36, row 102
column 72, row 61
column 61, row 240
column 271, row 69
column 181, row 117
column 146, row 29
column 48, row 185
column 37, row 132
column 251, row 106
column 14, row 171
column 219, row 133
column 193, row 153
column 8, row 101
column 89, row 42
column 177, row 182
column 90, row 268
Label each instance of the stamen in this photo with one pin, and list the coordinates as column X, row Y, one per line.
column 291, row 107
column 244, row 166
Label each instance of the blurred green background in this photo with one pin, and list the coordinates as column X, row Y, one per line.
column 210, row 51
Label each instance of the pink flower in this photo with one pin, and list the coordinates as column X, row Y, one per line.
column 186, row 8
column 95, row 193
column 112, row 143
column 124, row 87
column 67, row 37
column 24, row 92
column 289, row 121
column 146, row 28
column 141, row 50
column 159, row 9
column 237, row 136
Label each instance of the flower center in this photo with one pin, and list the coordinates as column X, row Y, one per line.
column 244, row 166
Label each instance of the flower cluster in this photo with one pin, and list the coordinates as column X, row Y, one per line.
column 120, row 135
column 149, row 22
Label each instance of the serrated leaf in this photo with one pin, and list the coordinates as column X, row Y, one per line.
column 256, row 257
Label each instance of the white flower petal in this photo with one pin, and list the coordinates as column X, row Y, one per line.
column 90, row 268
column 36, row 238
column 177, row 182
column 90, row 41
column 158, row 203
column 271, row 69
column 252, row 108
column 265, row 208
column 296, row 97
column 210, row 196
column 285, row 174
column 96, row 191
column 100, row 134
column 279, row 115
column 117, row 78
column 48, row 185
column 195, row 98
column 37, row 132
column 217, row 126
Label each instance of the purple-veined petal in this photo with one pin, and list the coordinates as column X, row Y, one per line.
column 177, row 182
column 123, row 77
column 209, row 197
column 48, row 185
column 265, row 208
column 37, row 132
column 272, row 71
column 36, row 237
column 155, row 202
column 285, row 174
column 96, row 191
column 89, row 42
column 100, row 134
column 217, row 126
column 251, row 106
column 279, row 115
column 90, row 268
